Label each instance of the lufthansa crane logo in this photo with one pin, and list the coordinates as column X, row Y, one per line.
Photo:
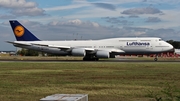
column 19, row 31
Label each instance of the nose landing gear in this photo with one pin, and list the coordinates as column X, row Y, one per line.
column 156, row 57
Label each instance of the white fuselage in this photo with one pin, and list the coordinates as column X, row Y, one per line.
column 120, row 45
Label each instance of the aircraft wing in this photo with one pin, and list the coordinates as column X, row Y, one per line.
column 64, row 48
column 68, row 48
column 53, row 46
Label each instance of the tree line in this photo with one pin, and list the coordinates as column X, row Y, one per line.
column 27, row 52
column 175, row 44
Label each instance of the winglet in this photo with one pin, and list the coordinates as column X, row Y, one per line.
column 21, row 33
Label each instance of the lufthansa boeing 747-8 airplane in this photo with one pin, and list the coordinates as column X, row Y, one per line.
column 89, row 49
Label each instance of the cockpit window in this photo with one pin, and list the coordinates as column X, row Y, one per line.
column 160, row 40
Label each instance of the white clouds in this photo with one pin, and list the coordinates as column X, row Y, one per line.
column 105, row 6
column 21, row 8
column 146, row 10
column 153, row 19
column 57, row 8
column 116, row 20
column 80, row 4
column 16, row 4
column 6, row 16
column 172, row 2
column 95, row 24
column 139, row 33
column 169, row 20
column 118, row 1
column 75, row 22
column 28, row 12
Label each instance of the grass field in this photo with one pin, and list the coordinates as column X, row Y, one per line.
column 25, row 81
column 57, row 58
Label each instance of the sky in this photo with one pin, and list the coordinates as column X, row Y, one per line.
column 90, row 19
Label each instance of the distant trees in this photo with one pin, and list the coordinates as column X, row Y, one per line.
column 176, row 44
column 27, row 52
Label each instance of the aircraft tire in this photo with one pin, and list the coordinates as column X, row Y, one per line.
column 96, row 59
column 155, row 59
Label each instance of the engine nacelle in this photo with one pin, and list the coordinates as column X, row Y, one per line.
column 102, row 54
column 78, row 52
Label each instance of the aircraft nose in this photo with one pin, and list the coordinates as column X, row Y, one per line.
column 171, row 48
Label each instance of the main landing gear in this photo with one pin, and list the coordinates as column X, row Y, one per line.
column 90, row 58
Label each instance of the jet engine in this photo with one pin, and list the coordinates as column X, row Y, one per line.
column 102, row 54
column 78, row 52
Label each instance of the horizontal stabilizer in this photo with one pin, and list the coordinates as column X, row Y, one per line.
column 19, row 43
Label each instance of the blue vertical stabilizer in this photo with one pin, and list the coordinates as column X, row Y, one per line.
column 21, row 33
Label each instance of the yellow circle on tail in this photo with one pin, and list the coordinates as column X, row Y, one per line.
column 19, row 31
